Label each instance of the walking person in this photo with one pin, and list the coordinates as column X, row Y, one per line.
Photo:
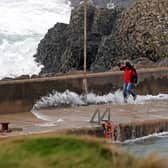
column 130, row 79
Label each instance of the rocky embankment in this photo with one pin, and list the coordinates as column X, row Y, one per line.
column 138, row 33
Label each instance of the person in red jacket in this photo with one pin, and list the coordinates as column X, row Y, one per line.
column 130, row 79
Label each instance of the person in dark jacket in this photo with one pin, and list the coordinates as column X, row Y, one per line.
column 130, row 79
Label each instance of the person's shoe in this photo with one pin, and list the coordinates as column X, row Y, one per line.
column 134, row 98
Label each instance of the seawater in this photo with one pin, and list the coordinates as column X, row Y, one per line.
column 157, row 146
column 23, row 24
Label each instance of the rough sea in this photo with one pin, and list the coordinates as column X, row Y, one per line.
column 23, row 24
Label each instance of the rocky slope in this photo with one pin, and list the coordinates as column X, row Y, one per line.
column 61, row 49
column 138, row 33
column 141, row 33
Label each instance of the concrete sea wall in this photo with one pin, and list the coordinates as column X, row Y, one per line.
column 126, row 131
column 20, row 95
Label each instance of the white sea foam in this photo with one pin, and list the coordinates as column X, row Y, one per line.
column 43, row 117
column 17, row 59
column 56, row 99
column 22, row 25
column 32, row 16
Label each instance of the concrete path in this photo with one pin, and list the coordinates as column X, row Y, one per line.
column 77, row 117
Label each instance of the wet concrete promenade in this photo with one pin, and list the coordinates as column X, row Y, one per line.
column 57, row 119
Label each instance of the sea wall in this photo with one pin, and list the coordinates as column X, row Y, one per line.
column 141, row 129
column 126, row 131
column 20, row 95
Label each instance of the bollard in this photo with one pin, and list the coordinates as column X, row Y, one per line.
column 4, row 127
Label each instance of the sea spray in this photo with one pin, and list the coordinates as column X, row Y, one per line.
column 69, row 98
column 23, row 25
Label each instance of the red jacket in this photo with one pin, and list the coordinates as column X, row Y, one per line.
column 129, row 74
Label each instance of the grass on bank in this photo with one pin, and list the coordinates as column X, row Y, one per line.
column 66, row 152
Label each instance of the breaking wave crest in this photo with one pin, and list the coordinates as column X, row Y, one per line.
column 69, row 98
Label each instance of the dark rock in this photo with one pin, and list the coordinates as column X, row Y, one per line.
column 52, row 47
column 138, row 33
column 7, row 79
column 62, row 47
column 44, row 75
column 34, row 76
column 22, row 77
